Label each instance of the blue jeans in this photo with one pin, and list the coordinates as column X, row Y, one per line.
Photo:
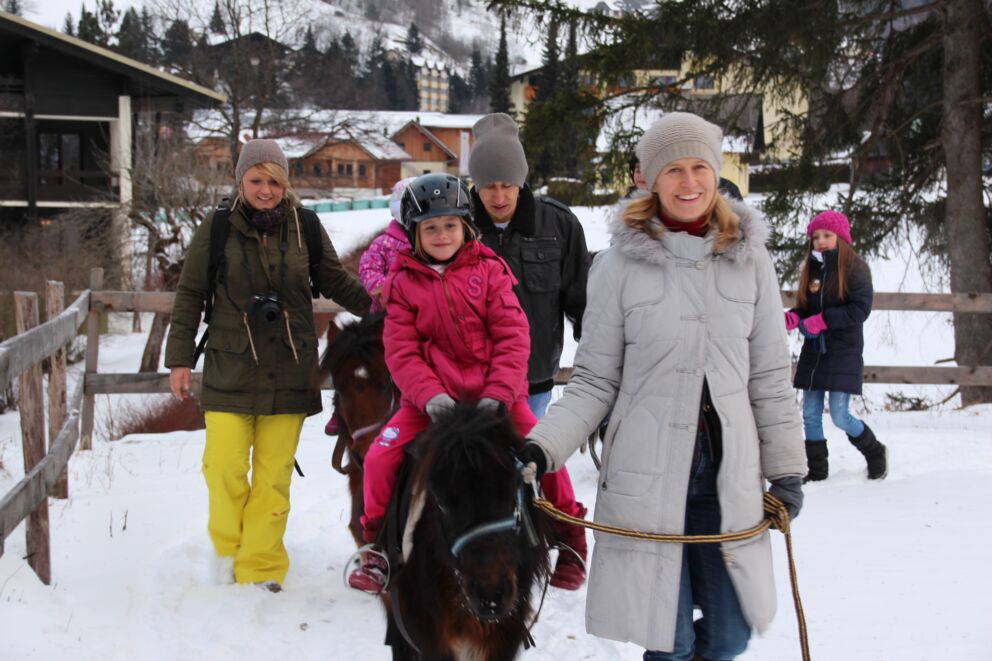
column 538, row 403
column 722, row 633
column 813, row 414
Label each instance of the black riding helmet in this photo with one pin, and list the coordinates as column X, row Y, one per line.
column 433, row 195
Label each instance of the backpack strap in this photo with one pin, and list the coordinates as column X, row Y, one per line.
column 315, row 249
column 220, row 226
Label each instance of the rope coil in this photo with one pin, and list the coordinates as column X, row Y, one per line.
column 776, row 516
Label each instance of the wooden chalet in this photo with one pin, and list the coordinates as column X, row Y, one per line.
column 322, row 166
column 66, row 108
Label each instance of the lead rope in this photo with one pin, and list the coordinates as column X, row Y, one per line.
column 776, row 516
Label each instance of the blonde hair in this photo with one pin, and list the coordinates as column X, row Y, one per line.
column 639, row 214
column 470, row 234
column 277, row 173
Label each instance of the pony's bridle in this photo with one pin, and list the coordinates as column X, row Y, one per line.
column 518, row 521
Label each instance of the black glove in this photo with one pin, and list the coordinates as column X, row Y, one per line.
column 534, row 461
column 789, row 490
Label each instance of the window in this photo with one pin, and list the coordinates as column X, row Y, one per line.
column 298, row 169
column 316, row 169
column 345, row 169
column 428, row 147
column 361, row 170
column 402, row 146
column 59, row 152
column 705, row 83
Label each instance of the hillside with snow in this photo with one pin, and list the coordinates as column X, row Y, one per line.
column 894, row 570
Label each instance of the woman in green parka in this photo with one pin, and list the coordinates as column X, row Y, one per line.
column 260, row 361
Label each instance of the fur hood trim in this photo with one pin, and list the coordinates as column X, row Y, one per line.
column 638, row 245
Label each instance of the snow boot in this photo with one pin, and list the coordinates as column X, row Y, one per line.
column 876, row 454
column 816, row 460
column 372, row 574
column 570, row 569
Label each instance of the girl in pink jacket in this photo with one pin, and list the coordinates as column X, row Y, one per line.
column 378, row 258
column 454, row 331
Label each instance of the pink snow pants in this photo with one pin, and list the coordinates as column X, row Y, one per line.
column 385, row 456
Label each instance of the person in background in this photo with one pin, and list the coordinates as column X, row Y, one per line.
column 682, row 338
column 259, row 363
column 374, row 265
column 545, row 247
column 832, row 304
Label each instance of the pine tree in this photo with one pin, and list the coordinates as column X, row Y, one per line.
column 547, row 84
column 499, row 83
column 413, row 42
column 132, row 41
column 478, row 75
column 68, row 26
column 13, row 7
column 895, row 87
column 177, row 45
column 88, row 28
column 217, row 25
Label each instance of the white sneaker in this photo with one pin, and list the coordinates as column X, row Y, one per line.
column 222, row 569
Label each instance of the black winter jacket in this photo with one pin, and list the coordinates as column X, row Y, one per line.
column 840, row 368
column 545, row 248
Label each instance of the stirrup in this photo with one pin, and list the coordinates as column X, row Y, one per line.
column 563, row 547
column 355, row 559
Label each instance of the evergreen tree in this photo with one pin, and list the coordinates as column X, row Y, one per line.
column 152, row 55
column 499, row 83
column 13, row 7
column 460, row 94
column 177, row 45
column 132, row 40
column 414, row 43
column 88, row 28
column 896, row 87
column 68, row 27
column 478, row 74
column 217, row 25
column 547, row 84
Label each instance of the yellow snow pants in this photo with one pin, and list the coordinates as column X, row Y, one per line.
column 247, row 521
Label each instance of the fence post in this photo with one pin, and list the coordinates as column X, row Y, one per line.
column 32, row 410
column 92, row 360
column 57, row 408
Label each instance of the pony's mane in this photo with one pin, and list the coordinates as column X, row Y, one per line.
column 361, row 339
column 468, row 441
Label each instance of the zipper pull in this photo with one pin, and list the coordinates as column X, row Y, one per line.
column 265, row 240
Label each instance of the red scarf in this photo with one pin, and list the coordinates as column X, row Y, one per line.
column 697, row 227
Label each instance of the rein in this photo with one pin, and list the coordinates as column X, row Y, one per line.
column 776, row 516
column 343, row 443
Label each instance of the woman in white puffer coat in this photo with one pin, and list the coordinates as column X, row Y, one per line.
column 683, row 338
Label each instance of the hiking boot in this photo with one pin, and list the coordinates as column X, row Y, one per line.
column 570, row 569
column 876, row 454
column 816, row 460
column 332, row 428
column 372, row 574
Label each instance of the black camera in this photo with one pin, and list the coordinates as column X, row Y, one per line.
column 267, row 306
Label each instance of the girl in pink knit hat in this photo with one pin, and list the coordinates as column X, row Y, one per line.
column 832, row 304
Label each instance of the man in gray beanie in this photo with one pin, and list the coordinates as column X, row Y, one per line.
column 545, row 248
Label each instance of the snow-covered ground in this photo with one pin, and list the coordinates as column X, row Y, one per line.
column 890, row 570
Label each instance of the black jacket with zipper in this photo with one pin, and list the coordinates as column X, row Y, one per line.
column 545, row 248
column 840, row 367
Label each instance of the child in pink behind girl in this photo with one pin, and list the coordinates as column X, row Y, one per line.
column 454, row 329
column 381, row 253
column 374, row 266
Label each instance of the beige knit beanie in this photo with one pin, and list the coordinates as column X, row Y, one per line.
column 256, row 152
column 679, row 135
column 497, row 154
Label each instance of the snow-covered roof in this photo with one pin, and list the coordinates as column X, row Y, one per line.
column 299, row 147
column 382, row 148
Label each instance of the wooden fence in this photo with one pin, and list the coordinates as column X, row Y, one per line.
column 21, row 357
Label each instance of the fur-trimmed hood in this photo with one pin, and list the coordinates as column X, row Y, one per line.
column 638, row 245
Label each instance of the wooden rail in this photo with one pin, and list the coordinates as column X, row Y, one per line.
column 35, row 486
column 24, row 350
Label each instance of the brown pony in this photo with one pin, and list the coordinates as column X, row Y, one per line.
column 364, row 398
column 479, row 548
